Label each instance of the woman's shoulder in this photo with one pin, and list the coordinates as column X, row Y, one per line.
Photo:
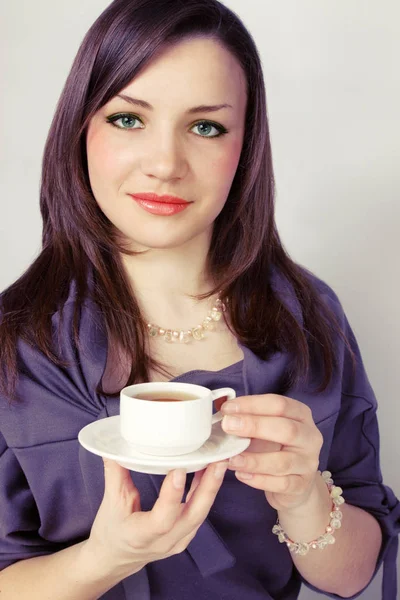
column 73, row 343
column 324, row 292
column 82, row 308
column 61, row 379
column 68, row 312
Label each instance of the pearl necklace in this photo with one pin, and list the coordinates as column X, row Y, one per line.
column 195, row 333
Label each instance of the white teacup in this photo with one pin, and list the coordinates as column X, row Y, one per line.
column 168, row 419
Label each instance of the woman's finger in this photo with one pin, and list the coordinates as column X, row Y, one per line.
column 169, row 516
column 281, row 463
column 271, row 405
column 202, row 498
column 167, row 507
column 274, row 429
column 293, row 485
column 195, row 482
column 119, row 490
column 150, row 525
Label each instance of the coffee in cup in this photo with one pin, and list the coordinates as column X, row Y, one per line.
column 166, row 396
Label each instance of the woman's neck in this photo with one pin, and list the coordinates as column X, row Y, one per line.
column 162, row 279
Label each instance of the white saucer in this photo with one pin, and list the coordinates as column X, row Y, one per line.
column 104, row 439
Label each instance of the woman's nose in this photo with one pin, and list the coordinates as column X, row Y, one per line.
column 164, row 159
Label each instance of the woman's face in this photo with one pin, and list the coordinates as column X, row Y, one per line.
column 167, row 149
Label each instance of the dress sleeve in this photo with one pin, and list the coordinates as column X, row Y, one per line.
column 355, row 465
column 19, row 515
column 43, row 502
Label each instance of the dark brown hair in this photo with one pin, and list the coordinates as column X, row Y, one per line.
column 78, row 238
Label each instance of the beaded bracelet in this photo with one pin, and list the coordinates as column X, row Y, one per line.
column 336, row 516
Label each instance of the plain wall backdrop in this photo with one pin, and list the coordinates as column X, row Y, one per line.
column 333, row 92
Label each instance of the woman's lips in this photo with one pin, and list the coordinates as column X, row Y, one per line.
column 156, row 198
column 160, row 208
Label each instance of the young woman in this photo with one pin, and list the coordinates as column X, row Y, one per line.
column 166, row 98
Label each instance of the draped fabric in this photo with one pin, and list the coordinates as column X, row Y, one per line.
column 51, row 488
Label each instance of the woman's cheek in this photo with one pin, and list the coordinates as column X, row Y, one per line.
column 224, row 167
column 108, row 164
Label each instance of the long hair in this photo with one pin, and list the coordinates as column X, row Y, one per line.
column 78, row 238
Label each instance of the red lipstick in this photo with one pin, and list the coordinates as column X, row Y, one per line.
column 165, row 205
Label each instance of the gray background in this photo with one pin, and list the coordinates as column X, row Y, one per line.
column 333, row 92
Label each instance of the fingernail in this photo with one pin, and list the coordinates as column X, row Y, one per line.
column 220, row 470
column 229, row 407
column 179, row 478
column 231, row 423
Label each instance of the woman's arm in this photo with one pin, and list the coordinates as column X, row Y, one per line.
column 70, row 574
column 345, row 567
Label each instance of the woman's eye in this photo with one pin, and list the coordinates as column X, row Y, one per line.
column 126, row 121
column 206, row 125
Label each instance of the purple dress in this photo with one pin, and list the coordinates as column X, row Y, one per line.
column 51, row 487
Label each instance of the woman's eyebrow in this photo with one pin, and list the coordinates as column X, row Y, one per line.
column 195, row 109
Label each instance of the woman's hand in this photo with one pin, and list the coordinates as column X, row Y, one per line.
column 283, row 456
column 123, row 539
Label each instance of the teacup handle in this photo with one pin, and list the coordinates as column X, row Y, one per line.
column 216, row 394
